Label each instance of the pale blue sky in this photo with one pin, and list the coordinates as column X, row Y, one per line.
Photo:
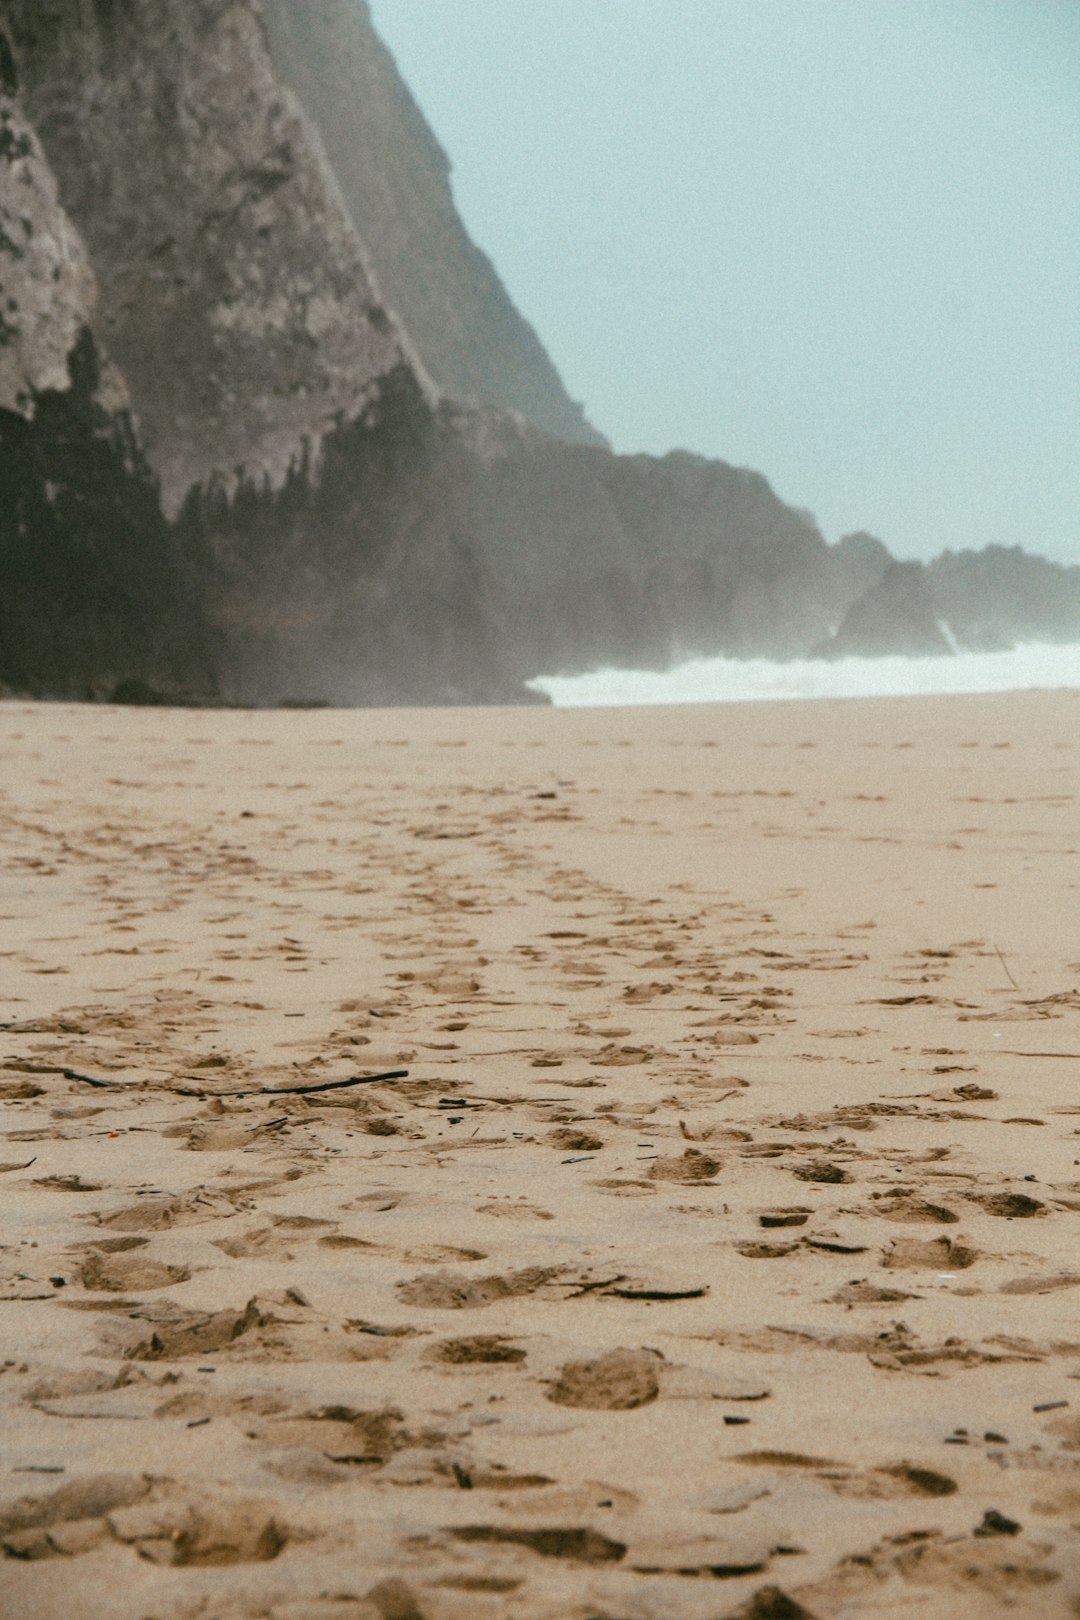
column 835, row 240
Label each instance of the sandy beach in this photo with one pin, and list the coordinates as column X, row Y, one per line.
column 717, row 1255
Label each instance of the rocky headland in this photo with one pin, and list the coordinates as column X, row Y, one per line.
column 272, row 430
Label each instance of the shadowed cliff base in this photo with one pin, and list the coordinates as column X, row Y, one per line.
column 92, row 589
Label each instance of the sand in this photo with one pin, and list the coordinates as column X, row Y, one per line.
column 717, row 1257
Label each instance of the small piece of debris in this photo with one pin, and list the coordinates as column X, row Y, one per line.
column 996, row 1524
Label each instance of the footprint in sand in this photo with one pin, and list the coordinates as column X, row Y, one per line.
column 861, row 1292
column 127, row 1508
column 515, row 1209
column 904, row 1204
column 117, row 1273
column 276, row 1242
column 1010, row 1206
column 758, row 1249
column 823, row 1171
column 68, row 1520
column 342, row 1434
column 690, row 1167
column 616, row 1382
column 429, row 1254
column 156, row 1214
column 447, row 1291
column 483, row 1349
column 222, row 1136
column 579, row 1546
column 74, row 1184
column 897, row 1480
column 570, row 1141
column 279, row 1328
column 933, row 1254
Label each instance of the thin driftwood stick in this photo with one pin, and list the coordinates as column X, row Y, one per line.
column 28, row 1066
column 1000, row 954
column 282, row 1091
column 88, row 1079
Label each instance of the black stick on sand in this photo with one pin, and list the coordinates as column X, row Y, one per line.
column 283, row 1091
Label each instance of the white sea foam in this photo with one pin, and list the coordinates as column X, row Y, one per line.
column 732, row 680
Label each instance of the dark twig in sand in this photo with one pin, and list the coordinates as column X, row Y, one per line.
column 28, row 1066
column 283, row 1091
column 1000, row 954
column 88, row 1079
column 1005, row 1052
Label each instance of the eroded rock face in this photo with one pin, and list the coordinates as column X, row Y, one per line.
column 269, row 504
column 641, row 560
column 395, row 182
column 92, row 593
column 48, row 286
column 234, row 293
column 354, row 583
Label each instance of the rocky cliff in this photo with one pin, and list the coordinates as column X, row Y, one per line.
column 92, row 589
column 270, row 428
column 395, row 182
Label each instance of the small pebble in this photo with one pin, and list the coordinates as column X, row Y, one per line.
column 996, row 1524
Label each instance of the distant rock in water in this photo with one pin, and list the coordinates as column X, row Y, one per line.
column 1002, row 596
column 271, row 429
column 895, row 615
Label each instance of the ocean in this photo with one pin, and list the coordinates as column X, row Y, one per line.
column 734, row 680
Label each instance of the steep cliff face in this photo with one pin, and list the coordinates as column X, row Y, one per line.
column 234, row 293
column 92, row 593
column 48, row 285
column 280, row 410
column 353, row 582
column 395, row 180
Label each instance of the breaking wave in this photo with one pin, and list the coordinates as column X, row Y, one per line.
column 738, row 680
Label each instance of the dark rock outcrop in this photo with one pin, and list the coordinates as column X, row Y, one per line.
column 92, row 589
column 895, row 615
column 997, row 597
column 640, row 560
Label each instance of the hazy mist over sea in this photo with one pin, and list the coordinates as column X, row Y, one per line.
column 731, row 680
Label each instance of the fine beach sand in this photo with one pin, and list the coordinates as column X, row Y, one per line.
column 718, row 1255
